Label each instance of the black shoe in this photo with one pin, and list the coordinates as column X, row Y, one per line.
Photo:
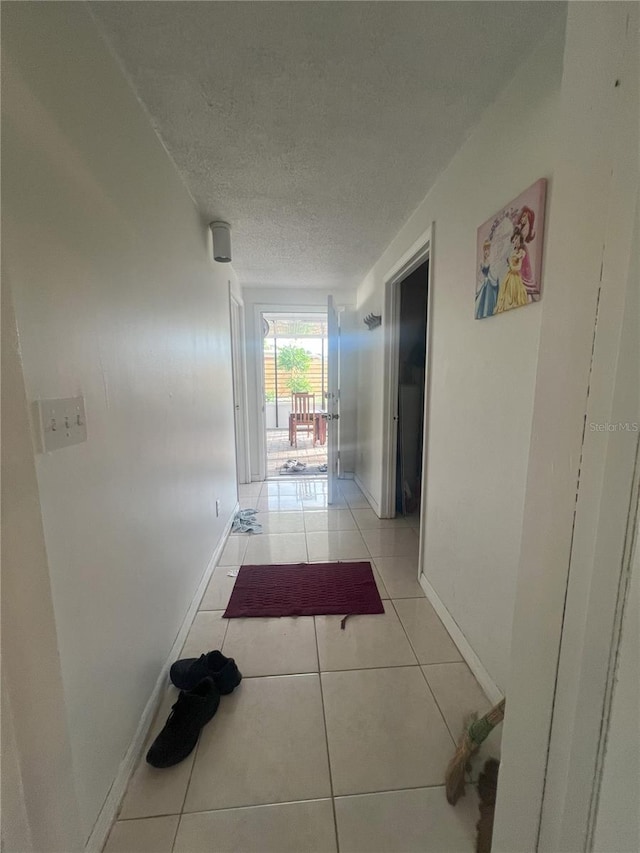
column 189, row 715
column 186, row 673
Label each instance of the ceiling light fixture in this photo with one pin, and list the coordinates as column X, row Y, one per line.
column 221, row 241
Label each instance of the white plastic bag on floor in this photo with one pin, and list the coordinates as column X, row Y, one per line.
column 245, row 522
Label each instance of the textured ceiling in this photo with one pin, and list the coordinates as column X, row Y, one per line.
column 316, row 128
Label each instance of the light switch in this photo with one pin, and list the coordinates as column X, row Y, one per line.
column 62, row 422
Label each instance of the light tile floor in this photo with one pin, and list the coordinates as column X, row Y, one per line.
column 335, row 740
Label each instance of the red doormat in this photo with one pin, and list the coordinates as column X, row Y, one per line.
column 304, row 589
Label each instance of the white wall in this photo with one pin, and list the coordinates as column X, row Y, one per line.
column 15, row 831
column 36, row 814
column 270, row 299
column 482, row 372
column 117, row 298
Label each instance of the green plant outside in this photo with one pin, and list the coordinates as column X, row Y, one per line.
column 295, row 361
column 298, row 385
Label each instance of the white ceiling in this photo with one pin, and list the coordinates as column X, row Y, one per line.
column 316, row 128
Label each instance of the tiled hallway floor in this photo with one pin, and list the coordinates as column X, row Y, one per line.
column 335, row 740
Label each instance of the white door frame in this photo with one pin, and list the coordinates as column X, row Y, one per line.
column 575, row 512
column 333, row 398
column 421, row 250
column 239, row 373
column 258, row 310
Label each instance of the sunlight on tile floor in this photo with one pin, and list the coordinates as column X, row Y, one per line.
column 335, row 740
column 279, row 450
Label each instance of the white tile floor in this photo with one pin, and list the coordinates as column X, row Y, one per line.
column 335, row 740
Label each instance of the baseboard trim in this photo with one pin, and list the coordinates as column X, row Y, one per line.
column 375, row 506
column 111, row 806
column 474, row 663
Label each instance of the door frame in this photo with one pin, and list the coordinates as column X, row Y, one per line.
column 576, row 506
column 333, row 399
column 239, row 379
column 416, row 255
column 259, row 309
column 604, row 534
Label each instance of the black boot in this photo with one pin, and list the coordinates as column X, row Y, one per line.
column 189, row 715
column 186, row 673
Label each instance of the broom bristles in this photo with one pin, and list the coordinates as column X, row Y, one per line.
column 454, row 777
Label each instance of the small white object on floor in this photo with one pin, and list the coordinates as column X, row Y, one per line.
column 294, row 465
column 233, row 573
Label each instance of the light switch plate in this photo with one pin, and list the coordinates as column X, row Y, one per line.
column 62, row 422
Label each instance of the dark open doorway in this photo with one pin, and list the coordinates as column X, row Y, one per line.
column 412, row 339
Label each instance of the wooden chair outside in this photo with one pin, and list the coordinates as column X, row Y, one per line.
column 303, row 416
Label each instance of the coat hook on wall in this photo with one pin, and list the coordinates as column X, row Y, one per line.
column 373, row 320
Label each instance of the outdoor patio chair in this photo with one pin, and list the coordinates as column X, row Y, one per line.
column 302, row 417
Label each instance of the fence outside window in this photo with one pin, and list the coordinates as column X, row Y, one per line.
column 295, row 359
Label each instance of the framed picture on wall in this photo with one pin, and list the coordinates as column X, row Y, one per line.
column 509, row 254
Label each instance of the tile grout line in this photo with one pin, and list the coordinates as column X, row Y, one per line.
column 259, row 805
column 175, row 834
column 391, row 791
column 326, row 740
column 423, row 674
column 285, row 802
column 186, row 791
column 406, row 633
column 437, row 704
column 352, row 669
column 226, row 629
column 147, row 817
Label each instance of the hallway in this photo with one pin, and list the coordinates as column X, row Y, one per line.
column 335, row 739
column 175, row 173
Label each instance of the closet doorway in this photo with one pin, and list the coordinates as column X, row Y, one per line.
column 406, row 323
column 412, row 354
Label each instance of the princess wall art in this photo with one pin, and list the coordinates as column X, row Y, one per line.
column 509, row 254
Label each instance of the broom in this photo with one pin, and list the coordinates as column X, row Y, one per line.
column 476, row 732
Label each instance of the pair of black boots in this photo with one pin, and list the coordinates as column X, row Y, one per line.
column 201, row 682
